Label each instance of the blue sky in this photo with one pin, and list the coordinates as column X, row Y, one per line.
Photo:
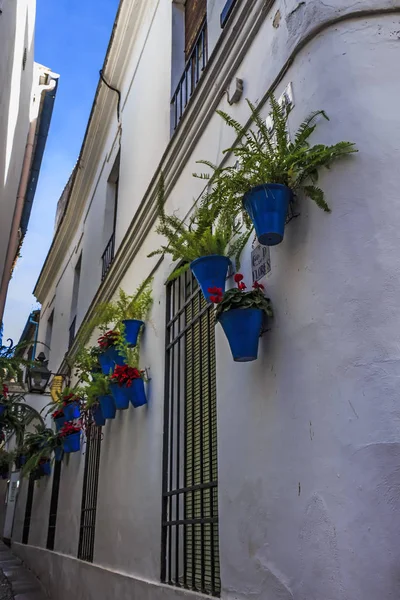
column 71, row 38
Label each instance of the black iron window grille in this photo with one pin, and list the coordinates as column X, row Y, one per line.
column 51, row 531
column 71, row 335
column 89, row 493
column 28, row 510
column 191, row 74
column 190, row 545
column 108, row 256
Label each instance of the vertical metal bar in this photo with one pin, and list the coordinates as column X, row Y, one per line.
column 51, row 531
column 164, row 506
column 210, row 449
column 185, row 426
column 202, row 562
column 28, row 510
column 178, row 435
column 84, row 488
column 193, row 442
column 171, row 429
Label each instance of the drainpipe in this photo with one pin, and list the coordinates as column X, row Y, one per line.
column 19, row 206
column 36, row 323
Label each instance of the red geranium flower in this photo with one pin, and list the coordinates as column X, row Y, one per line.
column 5, row 390
column 69, row 428
column 124, row 375
column 238, row 277
column 108, row 339
column 242, row 286
column 258, row 286
column 57, row 414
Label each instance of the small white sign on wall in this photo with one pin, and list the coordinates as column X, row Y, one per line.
column 260, row 262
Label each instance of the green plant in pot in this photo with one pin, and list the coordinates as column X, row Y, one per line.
column 271, row 168
column 39, row 447
column 98, row 399
column 241, row 314
column 205, row 243
column 131, row 312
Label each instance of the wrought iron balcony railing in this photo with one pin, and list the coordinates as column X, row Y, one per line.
column 71, row 336
column 108, row 256
column 191, row 75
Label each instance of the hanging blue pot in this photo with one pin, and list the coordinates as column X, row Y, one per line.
column 138, row 397
column 72, row 443
column 71, row 411
column 210, row 271
column 242, row 327
column 58, row 453
column 59, row 422
column 45, row 468
column 2, row 410
column 98, row 415
column 109, row 359
column 107, row 407
column 20, row 461
column 267, row 206
column 121, row 396
column 132, row 328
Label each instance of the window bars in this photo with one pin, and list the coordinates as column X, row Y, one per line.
column 194, row 67
column 190, row 545
column 71, row 335
column 51, row 531
column 89, row 493
column 28, row 510
column 108, row 256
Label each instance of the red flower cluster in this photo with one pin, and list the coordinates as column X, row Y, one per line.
column 69, row 429
column 57, row 414
column 215, row 294
column 70, row 398
column 124, row 375
column 258, row 286
column 239, row 280
column 108, row 339
column 5, row 390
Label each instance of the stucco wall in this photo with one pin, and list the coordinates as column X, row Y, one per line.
column 308, row 435
column 16, row 33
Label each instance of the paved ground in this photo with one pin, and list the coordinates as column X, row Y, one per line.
column 16, row 581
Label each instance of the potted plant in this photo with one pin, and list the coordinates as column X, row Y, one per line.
column 270, row 169
column 58, row 418
column 38, row 447
column 110, row 354
column 71, row 437
column 70, row 403
column 100, row 399
column 205, row 243
column 240, row 314
column 3, row 399
column 44, row 466
column 126, row 385
column 132, row 311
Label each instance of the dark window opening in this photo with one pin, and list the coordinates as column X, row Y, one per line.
column 51, row 532
column 28, row 510
column 89, row 493
column 110, row 218
column 49, row 331
column 189, row 54
column 190, row 545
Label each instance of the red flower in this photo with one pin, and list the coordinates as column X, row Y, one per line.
column 57, row 414
column 5, row 390
column 216, row 299
column 69, row 429
column 69, row 398
column 242, row 286
column 258, row 286
column 108, row 339
column 124, row 375
column 238, row 277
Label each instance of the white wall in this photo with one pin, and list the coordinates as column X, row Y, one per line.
column 16, row 34
column 308, row 440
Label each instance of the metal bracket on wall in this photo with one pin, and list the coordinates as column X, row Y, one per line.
column 237, row 94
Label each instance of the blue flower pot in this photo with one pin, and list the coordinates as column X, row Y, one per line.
column 72, row 443
column 59, row 422
column 2, row 410
column 132, row 328
column 109, row 359
column 267, row 206
column 242, row 327
column 71, row 411
column 210, row 271
column 58, row 453
column 138, row 397
column 98, row 415
column 121, row 396
column 45, row 468
column 107, row 407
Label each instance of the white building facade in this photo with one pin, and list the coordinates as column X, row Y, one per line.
column 27, row 94
column 279, row 479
